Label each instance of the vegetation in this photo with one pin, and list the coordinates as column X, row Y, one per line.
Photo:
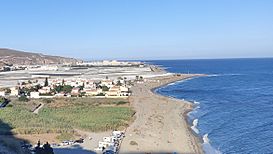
column 100, row 94
column 90, row 118
column 23, row 98
column 105, row 88
column 63, row 88
column 7, row 90
column 119, row 83
column 133, row 143
column 121, row 103
column 46, row 82
column 2, row 100
column 54, row 119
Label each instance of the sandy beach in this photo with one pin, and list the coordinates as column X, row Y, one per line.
column 160, row 125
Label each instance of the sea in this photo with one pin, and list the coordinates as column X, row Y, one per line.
column 233, row 111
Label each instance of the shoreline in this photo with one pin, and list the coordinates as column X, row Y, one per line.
column 197, row 138
column 168, row 134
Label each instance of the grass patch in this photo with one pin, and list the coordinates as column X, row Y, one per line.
column 64, row 119
column 90, row 118
column 121, row 102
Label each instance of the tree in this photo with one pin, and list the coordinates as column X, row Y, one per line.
column 63, row 82
column 119, row 83
column 67, row 88
column 7, row 90
column 37, row 87
column 58, row 88
column 105, row 88
column 46, row 82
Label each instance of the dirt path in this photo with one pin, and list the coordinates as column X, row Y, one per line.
column 36, row 111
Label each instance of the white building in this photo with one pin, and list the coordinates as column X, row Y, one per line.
column 14, row 91
column 75, row 91
column 34, row 94
column 92, row 92
column 2, row 93
column 44, row 90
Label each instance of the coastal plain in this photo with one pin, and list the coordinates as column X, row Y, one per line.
column 159, row 124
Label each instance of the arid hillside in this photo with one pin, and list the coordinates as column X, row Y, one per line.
column 9, row 56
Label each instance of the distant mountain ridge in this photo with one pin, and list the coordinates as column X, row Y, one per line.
column 15, row 57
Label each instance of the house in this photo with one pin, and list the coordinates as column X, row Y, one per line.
column 34, row 94
column 14, row 91
column 113, row 91
column 106, row 82
column 2, row 93
column 44, row 90
column 118, row 91
column 75, row 91
column 59, row 94
column 92, row 92
column 124, row 91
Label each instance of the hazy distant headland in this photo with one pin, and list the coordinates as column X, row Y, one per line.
column 15, row 57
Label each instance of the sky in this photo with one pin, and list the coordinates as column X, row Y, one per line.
column 139, row 29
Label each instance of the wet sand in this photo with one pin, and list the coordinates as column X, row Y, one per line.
column 160, row 125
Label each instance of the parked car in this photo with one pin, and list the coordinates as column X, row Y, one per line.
column 64, row 143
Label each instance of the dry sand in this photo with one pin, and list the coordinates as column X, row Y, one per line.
column 160, row 125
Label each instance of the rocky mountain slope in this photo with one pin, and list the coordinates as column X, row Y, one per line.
column 9, row 56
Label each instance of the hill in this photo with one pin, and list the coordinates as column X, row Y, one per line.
column 9, row 56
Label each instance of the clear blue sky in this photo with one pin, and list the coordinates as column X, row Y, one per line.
column 139, row 29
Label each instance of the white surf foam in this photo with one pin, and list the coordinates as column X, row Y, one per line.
column 208, row 149
column 215, row 75
column 171, row 84
column 194, row 126
column 195, row 102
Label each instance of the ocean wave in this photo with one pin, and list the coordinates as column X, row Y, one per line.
column 195, row 102
column 194, row 126
column 171, row 84
column 207, row 146
column 216, row 75
column 192, row 113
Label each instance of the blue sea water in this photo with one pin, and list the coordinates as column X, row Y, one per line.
column 234, row 102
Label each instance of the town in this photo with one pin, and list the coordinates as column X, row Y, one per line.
column 48, row 88
column 71, row 87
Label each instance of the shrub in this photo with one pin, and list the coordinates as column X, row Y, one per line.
column 121, row 103
column 133, row 143
column 105, row 88
column 100, row 94
column 23, row 98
